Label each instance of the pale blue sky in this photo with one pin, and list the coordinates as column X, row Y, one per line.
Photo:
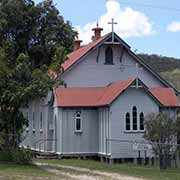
column 160, row 41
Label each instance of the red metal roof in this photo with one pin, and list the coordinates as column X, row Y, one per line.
column 76, row 55
column 92, row 96
column 166, row 96
column 101, row 96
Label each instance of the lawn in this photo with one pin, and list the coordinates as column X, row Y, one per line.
column 22, row 172
column 147, row 172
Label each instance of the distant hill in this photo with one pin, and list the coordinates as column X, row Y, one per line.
column 160, row 63
column 173, row 77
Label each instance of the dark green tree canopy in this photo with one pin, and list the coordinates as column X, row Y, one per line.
column 33, row 29
column 34, row 40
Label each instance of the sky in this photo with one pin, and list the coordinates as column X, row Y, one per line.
column 148, row 26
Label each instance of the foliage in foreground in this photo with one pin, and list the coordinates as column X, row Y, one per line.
column 34, row 43
column 161, row 132
column 18, row 156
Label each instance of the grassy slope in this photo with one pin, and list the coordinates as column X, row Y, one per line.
column 126, row 169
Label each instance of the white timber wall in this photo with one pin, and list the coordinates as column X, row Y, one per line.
column 90, row 73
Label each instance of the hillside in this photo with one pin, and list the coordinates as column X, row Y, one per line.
column 167, row 67
column 172, row 77
column 161, row 63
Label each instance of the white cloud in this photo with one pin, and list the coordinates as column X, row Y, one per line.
column 131, row 23
column 174, row 27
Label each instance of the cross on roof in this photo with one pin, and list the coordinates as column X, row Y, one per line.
column 112, row 23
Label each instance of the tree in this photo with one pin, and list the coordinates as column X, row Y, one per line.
column 161, row 131
column 34, row 43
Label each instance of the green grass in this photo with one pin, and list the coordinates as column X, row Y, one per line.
column 142, row 171
column 23, row 172
column 24, row 169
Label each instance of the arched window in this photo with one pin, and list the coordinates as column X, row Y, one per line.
column 134, row 114
column 41, row 121
column 109, row 56
column 33, row 121
column 141, row 121
column 128, row 122
column 78, row 122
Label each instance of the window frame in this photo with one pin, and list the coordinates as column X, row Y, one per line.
column 78, row 118
column 134, row 110
column 106, row 61
column 129, row 116
column 140, row 122
column 41, row 122
column 33, row 122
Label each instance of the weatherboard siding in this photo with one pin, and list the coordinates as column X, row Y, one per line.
column 90, row 73
column 131, row 97
column 86, row 141
column 35, row 136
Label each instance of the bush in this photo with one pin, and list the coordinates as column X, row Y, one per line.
column 6, row 156
column 22, row 156
column 18, row 156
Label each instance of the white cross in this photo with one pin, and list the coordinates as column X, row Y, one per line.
column 112, row 23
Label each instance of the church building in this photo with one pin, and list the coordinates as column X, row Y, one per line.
column 100, row 111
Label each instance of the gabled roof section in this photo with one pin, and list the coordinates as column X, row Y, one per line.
column 166, row 96
column 91, row 97
column 103, row 96
column 76, row 55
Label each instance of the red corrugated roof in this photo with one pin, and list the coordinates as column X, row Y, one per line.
column 76, row 55
column 101, row 96
column 166, row 96
column 92, row 96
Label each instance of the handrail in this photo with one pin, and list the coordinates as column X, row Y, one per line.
column 45, row 140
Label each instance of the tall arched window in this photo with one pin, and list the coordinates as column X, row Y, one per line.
column 109, row 56
column 134, row 114
column 78, row 122
column 41, row 121
column 128, row 122
column 141, row 121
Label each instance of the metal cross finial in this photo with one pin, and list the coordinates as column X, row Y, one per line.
column 112, row 23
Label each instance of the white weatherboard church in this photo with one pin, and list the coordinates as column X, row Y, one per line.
column 107, row 94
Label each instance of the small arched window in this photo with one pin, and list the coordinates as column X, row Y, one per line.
column 134, row 114
column 128, row 122
column 41, row 121
column 78, row 122
column 109, row 55
column 141, row 119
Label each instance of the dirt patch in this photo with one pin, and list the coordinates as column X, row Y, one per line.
column 84, row 173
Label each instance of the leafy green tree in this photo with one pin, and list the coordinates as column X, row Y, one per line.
column 161, row 132
column 34, row 42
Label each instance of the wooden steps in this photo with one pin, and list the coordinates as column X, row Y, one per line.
column 46, row 155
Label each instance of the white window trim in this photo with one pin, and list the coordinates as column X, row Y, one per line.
column 125, row 122
column 140, row 124
column 33, row 122
column 80, row 113
column 131, row 123
column 41, row 116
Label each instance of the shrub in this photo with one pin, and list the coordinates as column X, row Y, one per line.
column 6, row 156
column 18, row 156
column 22, row 156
